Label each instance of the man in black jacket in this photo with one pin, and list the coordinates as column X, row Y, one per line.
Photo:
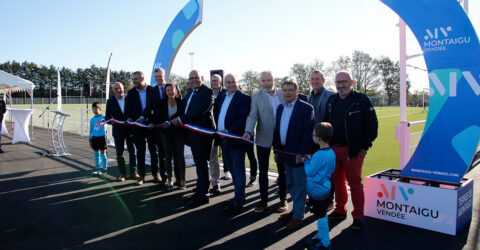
column 355, row 127
column 199, row 112
column 121, row 132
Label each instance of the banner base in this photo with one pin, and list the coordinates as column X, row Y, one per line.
column 436, row 206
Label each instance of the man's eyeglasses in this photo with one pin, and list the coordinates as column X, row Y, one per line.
column 230, row 82
column 342, row 82
column 194, row 78
column 268, row 80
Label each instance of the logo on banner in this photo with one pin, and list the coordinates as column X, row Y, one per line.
column 391, row 195
column 389, row 204
column 439, row 39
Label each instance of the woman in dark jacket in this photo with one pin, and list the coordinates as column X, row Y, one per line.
column 173, row 138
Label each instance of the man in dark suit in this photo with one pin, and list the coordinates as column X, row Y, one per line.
column 3, row 110
column 199, row 112
column 136, row 102
column 121, row 132
column 231, row 116
column 293, row 133
column 154, row 108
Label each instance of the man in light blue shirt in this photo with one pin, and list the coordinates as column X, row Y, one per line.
column 294, row 127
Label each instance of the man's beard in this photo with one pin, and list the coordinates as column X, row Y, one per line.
column 269, row 89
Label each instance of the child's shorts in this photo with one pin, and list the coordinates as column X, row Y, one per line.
column 319, row 208
column 98, row 142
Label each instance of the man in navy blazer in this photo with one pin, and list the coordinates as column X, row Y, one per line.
column 136, row 102
column 293, row 133
column 199, row 112
column 154, row 109
column 231, row 115
column 121, row 132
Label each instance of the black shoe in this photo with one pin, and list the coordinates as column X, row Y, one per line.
column 196, row 202
column 357, row 225
column 337, row 216
column 216, row 190
column 1, row 151
column 233, row 208
column 251, row 183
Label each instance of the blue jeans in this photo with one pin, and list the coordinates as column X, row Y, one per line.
column 297, row 186
column 235, row 159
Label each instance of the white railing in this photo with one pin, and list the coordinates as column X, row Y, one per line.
column 415, row 136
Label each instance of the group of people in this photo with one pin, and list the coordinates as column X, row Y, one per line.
column 319, row 140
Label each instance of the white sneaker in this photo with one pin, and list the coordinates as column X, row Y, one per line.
column 227, row 176
column 96, row 172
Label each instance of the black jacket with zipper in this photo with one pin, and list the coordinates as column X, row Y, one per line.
column 361, row 124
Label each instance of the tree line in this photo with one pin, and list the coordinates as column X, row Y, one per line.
column 373, row 76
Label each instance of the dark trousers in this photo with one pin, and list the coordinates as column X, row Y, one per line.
column 161, row 153
column 235, row 157
column 173, row 144
column 120, row 148
column 140, row 135
column 201, row 148
column 253, row 162
column 282, row 179
column 263, row 155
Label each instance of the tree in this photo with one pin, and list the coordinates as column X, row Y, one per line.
column 180, row 81
column 251, row 81
column 390, row 77
column 364, row 71
column 302, row 73
column 342, row 63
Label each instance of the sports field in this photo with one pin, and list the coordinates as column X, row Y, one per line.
column 383, row 154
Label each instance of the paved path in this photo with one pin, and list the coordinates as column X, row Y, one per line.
column 55, row 203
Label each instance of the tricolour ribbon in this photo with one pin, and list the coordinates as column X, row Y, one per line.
column 206, row 132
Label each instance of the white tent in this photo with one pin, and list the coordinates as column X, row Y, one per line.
column 10, row 84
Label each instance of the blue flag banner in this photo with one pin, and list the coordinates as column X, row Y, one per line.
column 451, row 50
column 182, row 25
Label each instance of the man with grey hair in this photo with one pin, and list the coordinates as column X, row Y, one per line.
column 355, row 127
column 293, row 133
column 216, row 84
column 261, row 119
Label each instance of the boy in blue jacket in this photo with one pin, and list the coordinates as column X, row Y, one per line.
column 98, row 139
column 319, row 170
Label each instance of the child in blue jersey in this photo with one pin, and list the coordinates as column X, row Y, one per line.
column 319, row 170
column 98, row 139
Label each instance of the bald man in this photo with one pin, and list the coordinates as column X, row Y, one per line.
column 199, row 112
column 121, row 133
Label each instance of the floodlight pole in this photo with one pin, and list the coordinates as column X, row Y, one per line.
column 191, row 54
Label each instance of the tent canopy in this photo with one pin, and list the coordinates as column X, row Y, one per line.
column 10, row 83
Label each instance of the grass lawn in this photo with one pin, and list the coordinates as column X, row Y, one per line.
column 383, row 154
column 385, row 150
